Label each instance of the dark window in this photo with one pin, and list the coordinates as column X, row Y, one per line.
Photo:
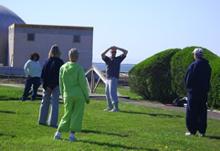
column 30, row 37
column 76, row 38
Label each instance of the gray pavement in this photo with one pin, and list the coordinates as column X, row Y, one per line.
column 212, row 114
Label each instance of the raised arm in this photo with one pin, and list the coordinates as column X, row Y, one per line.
column 125, row 52
column 104, row 53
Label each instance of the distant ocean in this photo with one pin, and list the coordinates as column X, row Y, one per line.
column 124, row 67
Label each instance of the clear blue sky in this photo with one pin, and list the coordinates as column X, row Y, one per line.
column 143, row 27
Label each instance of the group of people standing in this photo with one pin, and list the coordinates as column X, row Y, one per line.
column 69, row 80
column 57, row 77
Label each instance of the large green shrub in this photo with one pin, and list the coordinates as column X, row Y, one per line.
column 151, row 78
column 214, row 97
column 179, row 63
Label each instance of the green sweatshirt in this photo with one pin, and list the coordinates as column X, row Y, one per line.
column 72, row 81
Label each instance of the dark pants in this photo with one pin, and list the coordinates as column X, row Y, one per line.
column 31, row 81
column 196, row 112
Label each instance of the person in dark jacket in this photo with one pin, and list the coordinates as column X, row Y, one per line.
column 50, row 79
column 197, row 81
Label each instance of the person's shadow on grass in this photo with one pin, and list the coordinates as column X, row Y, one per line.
column 212, row 137
column 103, row 133
column 112, row 145
column 10, row 135
column 7, row 112
column 153, row 114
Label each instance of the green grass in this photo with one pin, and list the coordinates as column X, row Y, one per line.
column 134, row 128
column 10, row 93
column 125, row 91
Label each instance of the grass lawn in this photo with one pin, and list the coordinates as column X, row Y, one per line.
column 10, row 93
column 125, row 91
column 134, row 128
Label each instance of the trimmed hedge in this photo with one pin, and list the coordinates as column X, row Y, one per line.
column 161, row 77
column 179, row 64
column 151, row 78
column 214, row 96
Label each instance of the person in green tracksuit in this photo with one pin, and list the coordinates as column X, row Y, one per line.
column 74, row 90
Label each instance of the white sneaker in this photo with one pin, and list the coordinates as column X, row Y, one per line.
column 114, row 110
column 188, row 134
column 201, row 135
column 57, row 136
column 107, row 109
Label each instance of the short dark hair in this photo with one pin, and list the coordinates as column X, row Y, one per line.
column 33, row 55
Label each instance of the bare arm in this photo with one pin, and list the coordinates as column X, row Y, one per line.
column 104, row 53
column 125, row 52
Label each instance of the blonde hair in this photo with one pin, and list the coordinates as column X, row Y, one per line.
column 73, row 54
column 54, row 51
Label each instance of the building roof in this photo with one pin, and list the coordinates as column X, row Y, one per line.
column 51, row 26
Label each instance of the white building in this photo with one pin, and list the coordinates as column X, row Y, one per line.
column 25, row 39
column 18, row 40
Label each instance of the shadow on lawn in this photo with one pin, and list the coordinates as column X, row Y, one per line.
column 213, row 137
column 10, row 135
column 7, row 112
column 116, row 145
column 3, row 98
column 153, row 114
column 104, row 133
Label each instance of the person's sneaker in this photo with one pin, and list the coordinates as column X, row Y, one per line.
column 72, row 138
column 107, row 109
column 57, row 136
column 201, row 135
column 114, row 110
column 188, row 134
column 23, row 99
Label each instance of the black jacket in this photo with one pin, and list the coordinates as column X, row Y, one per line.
column 198, row 76
column 50, row 72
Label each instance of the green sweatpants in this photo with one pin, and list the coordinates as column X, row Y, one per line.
column 73, row 114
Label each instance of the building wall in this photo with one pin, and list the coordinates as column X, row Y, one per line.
column 45, row 36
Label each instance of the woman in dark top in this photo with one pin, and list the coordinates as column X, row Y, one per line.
column 50, row 79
